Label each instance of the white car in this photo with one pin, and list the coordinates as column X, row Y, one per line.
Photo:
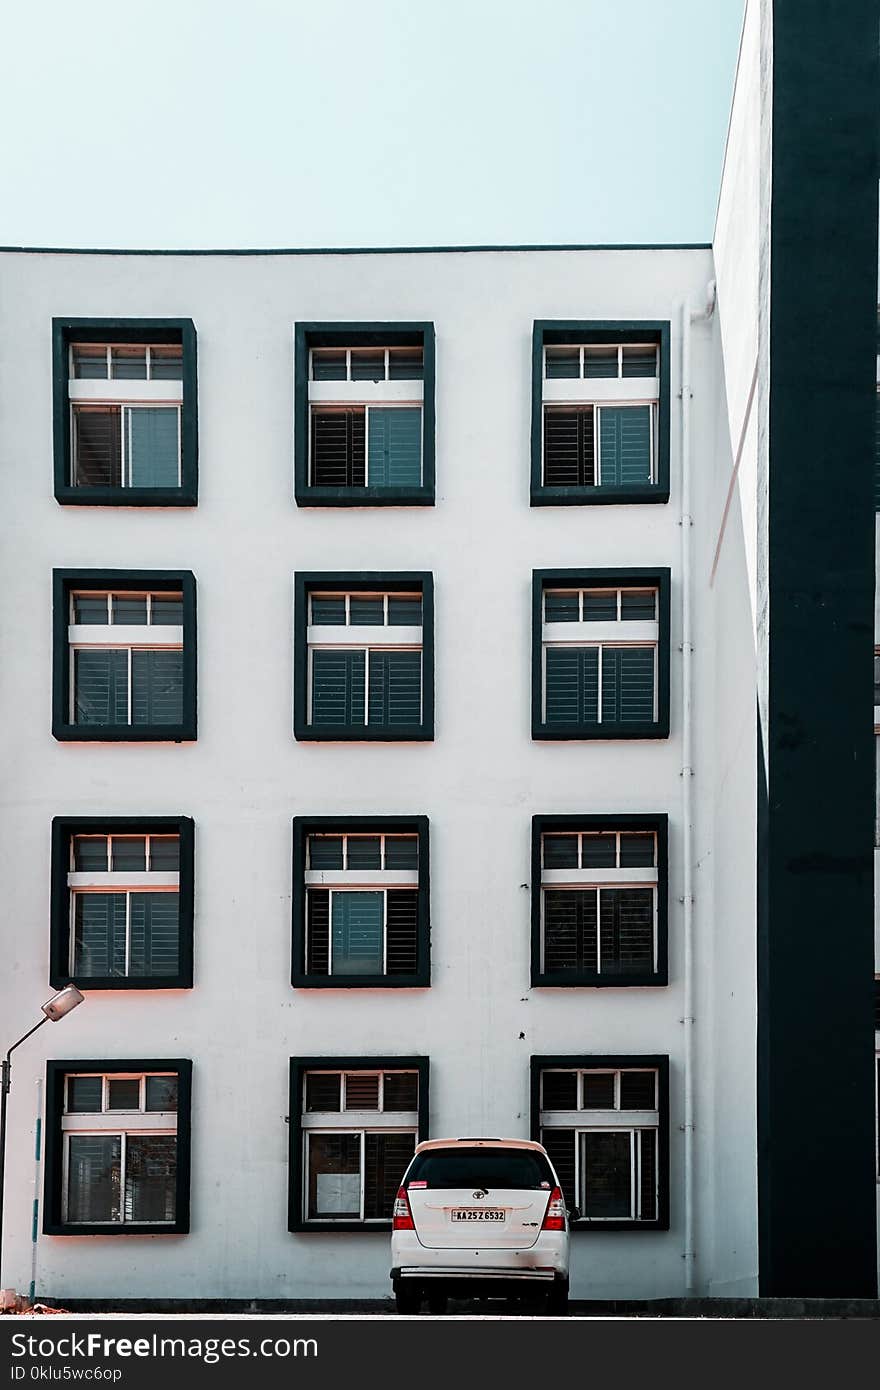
column 479, row 1218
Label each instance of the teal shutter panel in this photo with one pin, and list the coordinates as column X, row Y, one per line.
column 152, row 446
column 572, row 685
column 394, row 449
column 156, row 687
column 357, row 927
column 154, row 934
column 395, row 689
column 99, row 934
column 624, row 445
column 338, row 688
column 627, row 685
column 100, row 682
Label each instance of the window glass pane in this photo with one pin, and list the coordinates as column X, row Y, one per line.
column 406, row 364
column 90, row 609
column 325, row 851
column 394, row 447
column 164, row 854
column 625, row 444
column 131, row 611
column 167, row 610
column 328, row 611
column 90, row 854
column 559, row 1090
column 637, row 852
column 385, row 1159
column 369, row 611
column 161, row 1093
column 466, row 1167
column 598, row 1090
column 84, row 1095
column 357, row 921
column 599, row 851
column 404, row 611
column 155, row 931
column 560, row 851
column 150, row 1177
column 368, row 365
column 361, row 1090
column 338, row 689
column 157, row 687
column 323, row 1091
column 400, row 1090
column 152, row 439
column 401, row 852
column 100, row 681
column 640, row 361
column 628, row 685
column 334, row 1176
column 638, row 1090
column 128, row 853
column 626, row 930
column 600, row 606
column 600, row 361
column 562, row 362
column 638, row 605
column 328, row 364
column 97, row 446
column 395, row 692
column 90, row 361
column 562, row 607
column 570, row 936
column 364, row 852
column 128, row 362
column 124, row 1093
column 606, row 1165
column 93, row 1178
column 99, row 926
column 166, row 362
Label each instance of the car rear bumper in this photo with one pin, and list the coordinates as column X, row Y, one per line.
column 544, row 1262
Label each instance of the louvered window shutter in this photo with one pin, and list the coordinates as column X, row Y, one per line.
column 386, row 1157
column 559, row 1144
column 338, row 439
column 647, row 1139
column 877, row 454
column 338, row 688
column 394, row 448
column 99, row 934
column 572, row 685
column 395, row 689
column 402, row 931
column 627, row 930
column 154, row 934
column 606, row 1165
column 156, row 687
column 151, row 433
column 570, row 935
column 625, row 445
column 357, row 933
column 100, row 681
column 98, row 446
column 569, row 446
column 627, row 685
column 318, row 932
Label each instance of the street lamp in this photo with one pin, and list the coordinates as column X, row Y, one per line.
column 53, row 1009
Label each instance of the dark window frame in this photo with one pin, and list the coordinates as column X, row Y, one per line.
column 298, row 1068
column 385, row 581
column 102, row 330
column 363, row 334
column 656, row 578
column 63, row 830
column 303, row 826
column 616, row 1061
column 550, row 332
column 154, row 581
column 548, row 824
column 56, row 1072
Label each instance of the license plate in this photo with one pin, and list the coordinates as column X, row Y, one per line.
column 477, row 1214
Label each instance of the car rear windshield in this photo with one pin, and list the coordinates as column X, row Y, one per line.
column 481, row 1168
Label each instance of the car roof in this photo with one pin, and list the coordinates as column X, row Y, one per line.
column 478, row 1143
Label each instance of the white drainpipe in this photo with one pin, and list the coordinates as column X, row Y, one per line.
column 688, row 316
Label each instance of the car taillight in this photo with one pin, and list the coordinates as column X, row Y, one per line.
column 554, row 1216
column 401, row 1218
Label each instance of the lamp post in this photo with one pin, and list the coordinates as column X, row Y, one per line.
column 54, row 1009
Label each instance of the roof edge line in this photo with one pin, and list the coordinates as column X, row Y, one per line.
column 353, row 250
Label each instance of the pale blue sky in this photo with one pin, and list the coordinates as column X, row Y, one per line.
column 271, row 123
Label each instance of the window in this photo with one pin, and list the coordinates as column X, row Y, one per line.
column 600, row 412
column 125, row 661
column 364, row 657
column 354, row 1125
column 360, row 902
column 117, row 1147
column 604, row 1121
column 599, row 901
column 126, row 412
column 122, row 902
column 600, row 654
column 364, row 414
